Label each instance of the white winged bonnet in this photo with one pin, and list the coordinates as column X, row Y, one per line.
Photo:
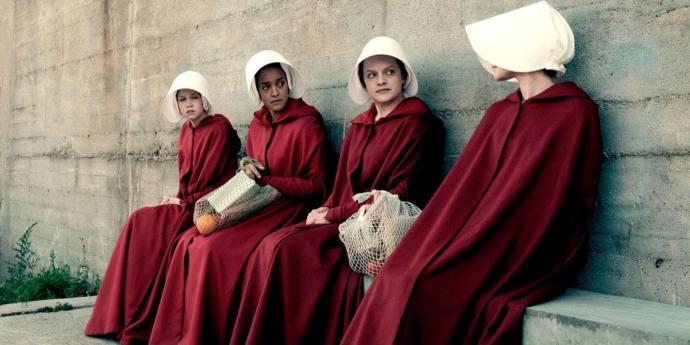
column 267, row 57
column 381, row 45
column 185, row 80
column 527, row 39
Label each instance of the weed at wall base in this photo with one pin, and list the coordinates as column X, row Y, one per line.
column 24, row 284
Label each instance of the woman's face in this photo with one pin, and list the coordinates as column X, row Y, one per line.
column 501, row 74
column 190, row 105
column 383, row 79
column 273, row 89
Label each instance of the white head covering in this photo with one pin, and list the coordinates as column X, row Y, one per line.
column 527, row 39
column 381, row 45
column 267, row 57
column 185, row 80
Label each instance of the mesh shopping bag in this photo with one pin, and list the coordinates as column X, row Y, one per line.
column 237, row 199
column 371, row 234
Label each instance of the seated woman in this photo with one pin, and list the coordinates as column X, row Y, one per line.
column 207, row 158
column 298, row 286
column 508, row 226
column 287, row 138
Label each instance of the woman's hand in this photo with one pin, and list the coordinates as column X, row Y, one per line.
column 170, row 200
column 318, row 216
column 252, row 170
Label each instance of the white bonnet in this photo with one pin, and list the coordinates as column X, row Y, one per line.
column 185, row 80
column 527, row 39
column 267, row 57
column 381, row 45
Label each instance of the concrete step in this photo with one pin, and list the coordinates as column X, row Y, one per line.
column 36, row 306
column 64, row 327
column 577, row 317
column 583, row 317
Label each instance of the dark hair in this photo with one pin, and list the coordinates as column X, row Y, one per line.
column 360, row 70
column 270, row 65
column 551, row 73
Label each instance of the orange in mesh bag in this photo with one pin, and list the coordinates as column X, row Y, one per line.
column 237, row 199
column 371, row 234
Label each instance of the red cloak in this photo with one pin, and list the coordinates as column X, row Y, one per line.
column 506, row 229
column 207, row 159
column 298, row 287
column 200, row 297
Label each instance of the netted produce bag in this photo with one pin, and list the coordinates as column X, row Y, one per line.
column 237, row 199
column 371, row 234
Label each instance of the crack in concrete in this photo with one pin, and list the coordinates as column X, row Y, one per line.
column 465, row 112
column 609, row 155
column 159, row 155
column 671, row 10
column 339, row 85
column 602, row 102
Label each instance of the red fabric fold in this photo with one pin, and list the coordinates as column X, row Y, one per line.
column 298, row 286
column 199, row 296
column 207, row 159
column 388, row 157
column 506, row 229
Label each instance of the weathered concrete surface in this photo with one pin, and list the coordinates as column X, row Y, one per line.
column 65, row 327
column 582, row 317
column 83, row 144
column 629, row 60
column 6, row 92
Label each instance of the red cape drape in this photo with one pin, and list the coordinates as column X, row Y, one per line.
column 298, row 287
column 506, row 229
column 207, row 159
column 200, row 297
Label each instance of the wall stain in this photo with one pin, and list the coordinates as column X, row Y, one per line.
column 612, row 155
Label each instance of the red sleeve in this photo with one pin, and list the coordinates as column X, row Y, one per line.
column 311, row 187
column 307, row 177
column 420, row 172
column 340, row 213
column 408, row 170
column 219, row 164
column 412, row 171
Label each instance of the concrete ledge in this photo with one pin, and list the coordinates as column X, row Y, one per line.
column 583, row 317
column 65, row 327
column 35, row 306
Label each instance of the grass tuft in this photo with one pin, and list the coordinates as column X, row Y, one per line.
column 26, row 284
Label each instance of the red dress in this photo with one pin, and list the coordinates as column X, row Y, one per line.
column 200, row 297
column 506, row 229
column 207, row 158
column 298, row 287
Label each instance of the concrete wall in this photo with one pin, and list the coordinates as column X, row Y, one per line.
column 6, row 91
column 87, row 145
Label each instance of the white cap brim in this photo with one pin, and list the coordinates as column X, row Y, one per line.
column 267, row 57
column 527, row 39
column 186, row 80
column 381, row 45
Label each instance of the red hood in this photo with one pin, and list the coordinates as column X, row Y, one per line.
column 295, row 108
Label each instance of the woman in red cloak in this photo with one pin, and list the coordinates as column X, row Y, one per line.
column 207, row 158
column 508, row 226
column 287, row 139
column 298, row 286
